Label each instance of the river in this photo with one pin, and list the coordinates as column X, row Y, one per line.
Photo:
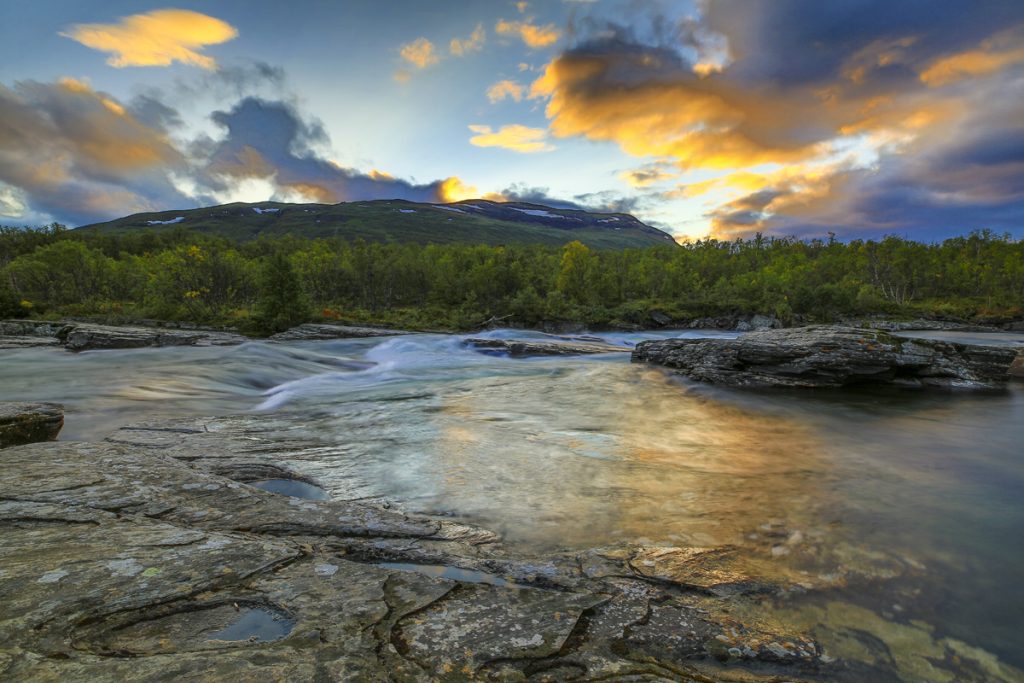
column 576, row 452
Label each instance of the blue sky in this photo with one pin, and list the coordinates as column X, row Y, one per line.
column 721, row 117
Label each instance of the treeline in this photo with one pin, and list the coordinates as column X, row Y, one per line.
column 268, row 284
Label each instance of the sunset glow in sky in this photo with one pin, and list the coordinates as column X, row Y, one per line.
column 723, row 118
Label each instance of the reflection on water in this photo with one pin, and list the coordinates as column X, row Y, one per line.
column 589, row 451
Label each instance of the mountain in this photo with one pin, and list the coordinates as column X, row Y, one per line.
column 473, row 221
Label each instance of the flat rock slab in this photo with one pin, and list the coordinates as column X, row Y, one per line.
column 76, row 336
column 22, row 423
column 825, row 356
column 531, row 347
column 313, row 331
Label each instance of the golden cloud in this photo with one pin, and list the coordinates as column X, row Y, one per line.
column 453, row 189
column 515, row 137
column 993, row 55
column 474, row 43
column 157, row 38
column 506, row 88
column 533, row 35
column 420, row 53
column 698, row 122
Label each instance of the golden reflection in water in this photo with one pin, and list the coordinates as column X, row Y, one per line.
column 612, row 453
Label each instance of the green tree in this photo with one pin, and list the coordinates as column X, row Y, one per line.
column 280, row 303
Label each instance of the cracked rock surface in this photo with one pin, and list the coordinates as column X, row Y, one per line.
column 154, row 556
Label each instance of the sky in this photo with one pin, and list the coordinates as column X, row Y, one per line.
column 720, row 118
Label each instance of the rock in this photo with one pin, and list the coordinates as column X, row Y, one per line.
column 1017, row 367
column 532, row 347
column 78, row 336
column 922, row 324
column 85, row 337
column 22, row 423
column 137, row 558
column 311, row 331
column 26, row 341
column 825, row 356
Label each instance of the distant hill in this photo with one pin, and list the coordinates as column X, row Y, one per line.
column 474, row 221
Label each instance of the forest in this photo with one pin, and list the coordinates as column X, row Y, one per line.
column 269, row 284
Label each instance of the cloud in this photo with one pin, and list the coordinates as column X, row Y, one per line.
column 515, row 137
column 993, row 55
column 270, row 141
column 420, row 53
column 505, row 88
column 812, row 116
column 157, row 38
column 454, row 189
column 533, row 35
column 647, row 175
column 81, row 156
column 475, row 42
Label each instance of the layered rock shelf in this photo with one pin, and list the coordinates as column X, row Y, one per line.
column 824, row 356
column 76, row 336
column 534, row 347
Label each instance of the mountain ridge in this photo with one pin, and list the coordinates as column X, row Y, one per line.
column 395, row 220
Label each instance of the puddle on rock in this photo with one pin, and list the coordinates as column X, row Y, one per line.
column 204, row 628
column 448, row 572
column 291, row 487
column 255, row 625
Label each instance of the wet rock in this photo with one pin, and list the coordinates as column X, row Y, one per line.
column 85, row 337
column 79, row 336
column 1017, row 367
column 826, row 356
column 531, row 347
column 311, row 331
column 712, row 569
column 22, row 423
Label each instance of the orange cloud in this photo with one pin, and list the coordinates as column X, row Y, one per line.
column 533, row 35
column 698, row 122
column 453, row 189
column 420, row 53
column 515, row 137
column 993, row 55
column 157, row 38
column 474, row 43
column 506, row 88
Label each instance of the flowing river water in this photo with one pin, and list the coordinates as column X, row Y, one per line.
column 575, row 452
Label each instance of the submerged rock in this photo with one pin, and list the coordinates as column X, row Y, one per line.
column 313, row 331
column 22, row 423
column 532, row 347
column 1017, row 367
column 824, row 356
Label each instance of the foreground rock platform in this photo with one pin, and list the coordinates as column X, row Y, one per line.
column 77, row 336
column 22, row 423
column 824, row 356
column 155, row 556
column 542, row 347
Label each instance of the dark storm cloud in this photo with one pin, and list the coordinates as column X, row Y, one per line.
column 270, row 140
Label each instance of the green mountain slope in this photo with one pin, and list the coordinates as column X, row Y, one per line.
column 475, row 221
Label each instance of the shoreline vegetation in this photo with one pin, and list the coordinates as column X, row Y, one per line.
column 267, row 285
